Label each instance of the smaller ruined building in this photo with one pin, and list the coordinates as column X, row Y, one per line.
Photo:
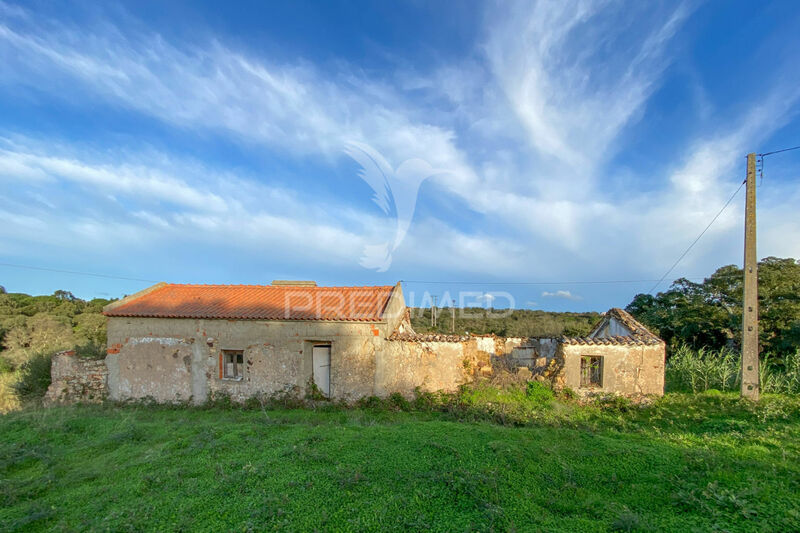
column 189, row 343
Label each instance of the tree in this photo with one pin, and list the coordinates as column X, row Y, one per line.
column 709, row 314
column 64, row 296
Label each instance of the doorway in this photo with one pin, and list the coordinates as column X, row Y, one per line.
column 321, row 362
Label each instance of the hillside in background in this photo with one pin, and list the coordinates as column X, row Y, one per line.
column 514, row 323
column 32, row 324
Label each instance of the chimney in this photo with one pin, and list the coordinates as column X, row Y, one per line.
column 291, row 283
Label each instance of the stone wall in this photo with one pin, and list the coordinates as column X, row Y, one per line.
column 627, row 369
column 76, row 379
column 435, row 362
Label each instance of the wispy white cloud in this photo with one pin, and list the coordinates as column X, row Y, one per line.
column 526, row 127
column 554, row 62
column 293, row 108
column 119, row 205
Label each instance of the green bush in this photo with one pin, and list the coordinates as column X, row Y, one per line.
column 34, row 377
column 568, row 394
column 539, row 393
column 614, row 402
column 91, row 350
column 398, row 401
column 371, row 402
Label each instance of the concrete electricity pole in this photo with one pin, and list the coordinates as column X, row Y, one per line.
column 454, row 316
column 750, row 386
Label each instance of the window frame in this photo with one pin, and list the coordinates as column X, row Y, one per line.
column 599, row 365
column 238, row 365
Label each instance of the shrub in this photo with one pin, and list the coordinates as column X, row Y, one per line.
column 313, row 392
column 626, row 521
column 431, row 401
column 370, row 402
column 613, row 402
column 539, row 393
column 398, row 401
column 566, row 393
column 91, row 350
column 34, row 377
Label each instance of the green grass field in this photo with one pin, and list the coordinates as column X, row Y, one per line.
column 687, row 463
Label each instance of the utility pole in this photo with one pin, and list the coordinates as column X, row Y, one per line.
column 750, row 386
column 433, row 313
column 453, row 312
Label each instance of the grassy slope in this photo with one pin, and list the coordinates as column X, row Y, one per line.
column 687, row 463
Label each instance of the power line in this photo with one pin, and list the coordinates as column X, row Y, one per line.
column 698, row 237
column 76, row 272
column 534, row 283
column 505, row 283
column 779, row 151
column 762, row 156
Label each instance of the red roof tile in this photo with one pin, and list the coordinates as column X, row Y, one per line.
column 255, row 302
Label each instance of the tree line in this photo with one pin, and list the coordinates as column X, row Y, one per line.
column 709, row 314
column 33, row 324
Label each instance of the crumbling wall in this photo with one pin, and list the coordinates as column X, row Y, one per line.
column 433, row 362
column 76, row 379
column 534, row 353
column 171, row 359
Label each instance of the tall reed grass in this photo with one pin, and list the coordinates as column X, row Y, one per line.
column 702, row 370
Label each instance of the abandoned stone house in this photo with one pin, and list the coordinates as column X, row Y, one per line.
column 174, row 342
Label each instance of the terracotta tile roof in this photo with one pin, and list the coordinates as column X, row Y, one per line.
column 640, row 335
column 619, row 340
column 255, row 302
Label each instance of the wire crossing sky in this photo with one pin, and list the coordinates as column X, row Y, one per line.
column 509, row 144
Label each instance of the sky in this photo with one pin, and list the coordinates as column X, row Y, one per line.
column 548, row 155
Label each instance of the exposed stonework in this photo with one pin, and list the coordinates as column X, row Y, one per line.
column 76, row 379
column 171, row 359
column 434, row 362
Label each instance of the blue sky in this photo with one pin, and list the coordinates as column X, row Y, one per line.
column 571, row 142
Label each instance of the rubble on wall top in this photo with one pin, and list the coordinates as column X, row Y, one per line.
column 428, row 337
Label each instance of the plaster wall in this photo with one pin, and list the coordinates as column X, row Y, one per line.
column 627, row 369
column 178, row 359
